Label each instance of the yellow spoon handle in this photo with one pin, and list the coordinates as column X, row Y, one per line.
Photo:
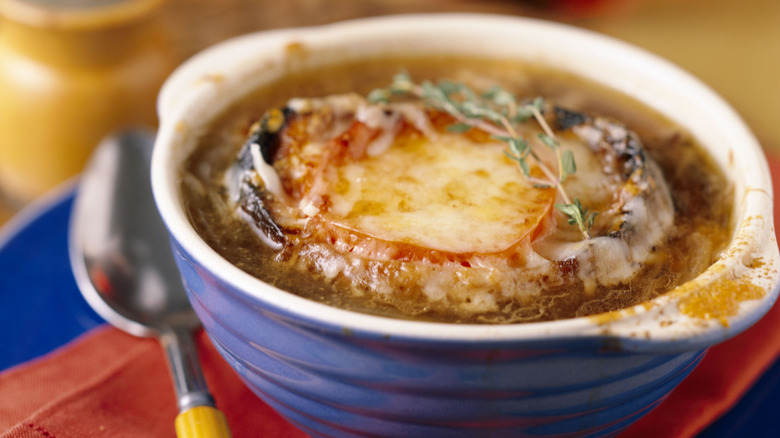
column 202, row 422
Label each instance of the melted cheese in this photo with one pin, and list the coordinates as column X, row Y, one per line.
column 444, row 193
column 384, row 196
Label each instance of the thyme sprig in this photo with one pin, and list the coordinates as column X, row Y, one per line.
column 498, row 113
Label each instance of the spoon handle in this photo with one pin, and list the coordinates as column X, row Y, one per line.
column 198, row 417
column 202, row 422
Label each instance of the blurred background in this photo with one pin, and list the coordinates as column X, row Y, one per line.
column 73, row 70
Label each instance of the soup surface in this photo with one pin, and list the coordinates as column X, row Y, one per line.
column 399, row 207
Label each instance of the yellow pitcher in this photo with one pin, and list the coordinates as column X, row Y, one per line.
column 71, row 72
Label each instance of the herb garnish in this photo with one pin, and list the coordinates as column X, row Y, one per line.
column 497, row 112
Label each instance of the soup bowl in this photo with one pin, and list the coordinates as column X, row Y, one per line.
column 335, row 372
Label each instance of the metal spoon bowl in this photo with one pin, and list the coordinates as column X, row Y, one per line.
column 122, row 262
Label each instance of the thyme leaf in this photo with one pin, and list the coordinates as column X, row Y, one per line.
column 578, row 215
column 497, row 112
column 379, row 95
column 567, row 165
column 549, row 141
column 459, row 128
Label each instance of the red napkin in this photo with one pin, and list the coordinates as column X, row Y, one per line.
column 110, row 384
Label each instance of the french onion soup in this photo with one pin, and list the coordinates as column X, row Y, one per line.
column 456, row 190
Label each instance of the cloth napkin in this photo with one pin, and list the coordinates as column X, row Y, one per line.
column 110, row 384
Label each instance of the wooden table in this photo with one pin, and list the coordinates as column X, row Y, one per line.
column 730, row 45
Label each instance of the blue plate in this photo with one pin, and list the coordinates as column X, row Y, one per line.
column 41, row 309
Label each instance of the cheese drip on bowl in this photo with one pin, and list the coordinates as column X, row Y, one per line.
column 384, row 197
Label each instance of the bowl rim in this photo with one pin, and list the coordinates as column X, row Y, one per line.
column 638, row 328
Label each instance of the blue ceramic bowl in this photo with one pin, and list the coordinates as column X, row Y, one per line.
column 338, row 373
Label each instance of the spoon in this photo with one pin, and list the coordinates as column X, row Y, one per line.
column 122, row 262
